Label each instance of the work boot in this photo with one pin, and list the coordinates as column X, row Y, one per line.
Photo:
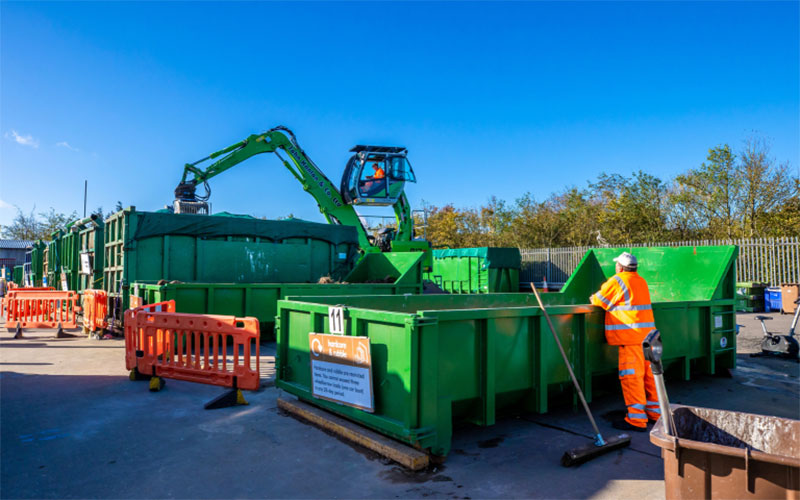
column 624, row 425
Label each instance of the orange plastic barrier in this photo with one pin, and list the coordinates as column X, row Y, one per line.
column 13, row 286
column 95, row 310
column 195, row 347
column 134, row 337
column 40, row 308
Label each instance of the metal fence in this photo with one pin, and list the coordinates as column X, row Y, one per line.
column 769, row 260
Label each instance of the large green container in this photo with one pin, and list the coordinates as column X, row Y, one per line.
column 476, row 270
column 53, row 256
column 260, row 300
column 91, row 251
column 69, row 258
column 16, row 275
column 152, row 246
column 437, row 358
column 37, row 262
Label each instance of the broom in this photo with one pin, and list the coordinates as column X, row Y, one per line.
column 600, row 446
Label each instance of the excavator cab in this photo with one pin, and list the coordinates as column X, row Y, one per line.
column 376, row 175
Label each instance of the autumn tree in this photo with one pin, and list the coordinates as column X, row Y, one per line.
column 633, row 209
column 766, row 188
column 730, row 195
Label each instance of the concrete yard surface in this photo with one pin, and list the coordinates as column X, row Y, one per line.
column 73, row 426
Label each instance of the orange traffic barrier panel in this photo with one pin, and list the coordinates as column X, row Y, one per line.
column 40, row 309
column 206, row 349
column 95, row 310
column 134, row 337
column 13, row 286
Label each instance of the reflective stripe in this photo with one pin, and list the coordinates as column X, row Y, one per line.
column 631, row 326
column 629, row 371
column 603, row 300
column 654, row 410
column 637, row 415
column 625, row 291
column 632, row 308
column 652, row 403
column 638, row 406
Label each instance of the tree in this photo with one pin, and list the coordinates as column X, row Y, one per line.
column 710, row 193
column 633, row 210
column 785, row 219
column 579, row 217
column 726, row 197
column 536, row 224
column 496, row 221
column 23, row 227
column 36, row 227
column 766, row 187
column 443, row 227
column 53, row 221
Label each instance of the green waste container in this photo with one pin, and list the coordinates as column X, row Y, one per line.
column 91, row 255
column 64, row 255
column 152, row 246
column 37, row 262
column 16, row 276
column 437, row 358
column 376, row 274
column 53, row 260
column 69, row 258
column 476, row 270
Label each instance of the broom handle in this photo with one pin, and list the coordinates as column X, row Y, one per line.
column 566, row 362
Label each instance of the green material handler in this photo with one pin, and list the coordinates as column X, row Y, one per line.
column 358, row 186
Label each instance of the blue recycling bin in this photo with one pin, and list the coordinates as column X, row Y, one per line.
column 772, row 299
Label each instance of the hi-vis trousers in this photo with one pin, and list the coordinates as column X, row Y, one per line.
column 638, row 386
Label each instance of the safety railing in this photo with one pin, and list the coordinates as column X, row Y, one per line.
column 206, row 349
column 95, row 310
column 40, row 309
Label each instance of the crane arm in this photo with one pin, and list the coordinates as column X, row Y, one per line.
column 329, row 200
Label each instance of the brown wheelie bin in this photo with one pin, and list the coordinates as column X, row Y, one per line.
column 726, row 454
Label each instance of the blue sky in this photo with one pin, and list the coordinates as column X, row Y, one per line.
column 490, row 98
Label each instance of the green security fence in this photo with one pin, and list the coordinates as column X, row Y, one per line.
column 476, row 270
column 438, row 358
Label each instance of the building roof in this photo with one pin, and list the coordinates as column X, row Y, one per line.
column 15, row 244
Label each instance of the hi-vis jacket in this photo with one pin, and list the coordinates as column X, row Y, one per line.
column 629, row 314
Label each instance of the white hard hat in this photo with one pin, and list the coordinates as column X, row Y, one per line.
column 627, row 260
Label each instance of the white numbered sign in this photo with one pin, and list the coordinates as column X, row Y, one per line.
column 336, row 319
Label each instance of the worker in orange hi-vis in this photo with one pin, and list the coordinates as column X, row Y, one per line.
column 629, row 318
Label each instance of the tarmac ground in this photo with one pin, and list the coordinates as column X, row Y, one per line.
column 73, row 426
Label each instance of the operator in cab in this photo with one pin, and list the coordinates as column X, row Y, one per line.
column 374, row 182
column 629, row 318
